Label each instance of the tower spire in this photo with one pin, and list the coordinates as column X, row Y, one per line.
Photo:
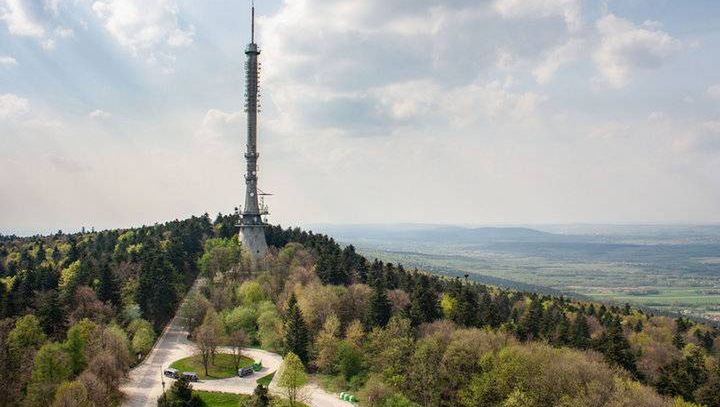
column 252, row 226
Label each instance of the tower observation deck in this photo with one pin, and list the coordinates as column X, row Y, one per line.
column 251, row 224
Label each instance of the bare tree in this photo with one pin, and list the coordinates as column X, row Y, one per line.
column 237, row 340
column 206, row 341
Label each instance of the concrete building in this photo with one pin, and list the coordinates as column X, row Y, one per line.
column 252, row 226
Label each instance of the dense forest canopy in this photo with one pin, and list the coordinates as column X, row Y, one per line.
column 77, row 310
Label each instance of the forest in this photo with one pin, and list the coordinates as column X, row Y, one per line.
column 79, row 309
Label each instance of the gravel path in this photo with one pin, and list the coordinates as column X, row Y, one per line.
column 145, row 382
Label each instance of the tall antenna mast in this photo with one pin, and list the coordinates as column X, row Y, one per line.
column 252, row 23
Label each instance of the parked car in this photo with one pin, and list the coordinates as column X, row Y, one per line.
column 191, row 376
column 245, row 371
column 172, row 373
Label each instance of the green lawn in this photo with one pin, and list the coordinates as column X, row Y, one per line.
column 265, row 380
column 222, row 367
column 217, row 399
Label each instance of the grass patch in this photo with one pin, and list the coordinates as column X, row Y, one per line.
column 217, row 399
column 222, row 367
column 265, row 380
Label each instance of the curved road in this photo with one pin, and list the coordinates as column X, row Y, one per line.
column 145, row 382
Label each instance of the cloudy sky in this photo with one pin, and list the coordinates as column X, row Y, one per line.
column 124, row 112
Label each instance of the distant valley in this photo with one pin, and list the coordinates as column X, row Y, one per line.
column 668, row 268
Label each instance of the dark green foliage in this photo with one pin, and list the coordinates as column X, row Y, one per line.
column 156, row 294
column 380, row 307
column 614, row 345
column 349, row 360
column 109, row 288
column 683, row 376
column 179, row 395
column 424, row 305
column 297, row 337
column 580, row 332
column 260, row 397
column 51, row 314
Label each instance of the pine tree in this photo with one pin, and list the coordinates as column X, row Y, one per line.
column 156, row 294
column 297, row 338
column 109, row 289
column 380, row 307
column 467, row 307
column 616, row 347
column 50, row 314
column 260, row 397
column 424, row 305
column 580, row 332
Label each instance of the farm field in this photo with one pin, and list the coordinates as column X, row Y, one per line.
column 666, row 269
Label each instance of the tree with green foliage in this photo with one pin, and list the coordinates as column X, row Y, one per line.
column 292, row 378
column 297, row 337
column 72, row 394
column 180, row 395
column 424, row 306
column 156, row 294
column 108, row 289
column 580, row 332
column 74, row 346
column 380, row 309
column 51, row 315
column 260, row 397
column 51, row 368
column 616, row 348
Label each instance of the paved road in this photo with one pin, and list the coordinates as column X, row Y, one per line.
column 144, row 383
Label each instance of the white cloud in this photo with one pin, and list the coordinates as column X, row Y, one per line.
column 20, row 19
column 99, row 114
column 7, row 61
column 714, row 91
column 147, row 29
column 556, row 58
column 569, row 10
column 625, row 48
column 218, row 124
column 12, row 106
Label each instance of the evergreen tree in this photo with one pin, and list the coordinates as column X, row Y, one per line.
column 529, row 326
column 260, row 397
column 616, row 348
column 297, row 337
column 679, row 340
column 156, row 294
column 109, row 288
column 580, row 332
column 380, row 307
column 424, row 305
column 51, row 315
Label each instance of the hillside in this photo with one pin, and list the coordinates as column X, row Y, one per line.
column 394, row 337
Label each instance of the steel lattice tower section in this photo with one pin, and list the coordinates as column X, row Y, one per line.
column 252, row 226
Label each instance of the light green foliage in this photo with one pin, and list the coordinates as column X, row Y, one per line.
column 390, row 350
column 349, row 360
column 72, row 394
column 250, row 293
column 270, row 330
column 193, row 310
column 448, row 305
column 26, row 335
column 292, row 378
column 76, row 343
column 219, row 257
column 51, row 367
column 143, row 339
column 68, row 276
column 399, row 400
column 242, row 318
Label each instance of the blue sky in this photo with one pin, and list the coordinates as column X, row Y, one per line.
column 124, row 112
